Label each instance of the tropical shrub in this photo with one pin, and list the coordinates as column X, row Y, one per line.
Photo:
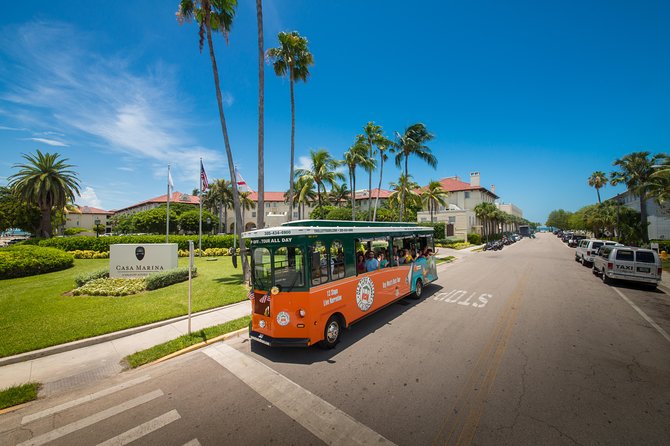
column 475, row 239
column 26, row 260
column 89, row 254
column 92, row 275
column 101, row 244
column 163, row 279
column 74, row 231
column 438, row 229
column 111, row 287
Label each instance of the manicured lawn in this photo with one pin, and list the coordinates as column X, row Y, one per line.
column 35, row 314
column 15, row 395
column 158, row 351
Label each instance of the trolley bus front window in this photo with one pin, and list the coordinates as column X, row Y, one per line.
column 262, row 269
column 289, row 267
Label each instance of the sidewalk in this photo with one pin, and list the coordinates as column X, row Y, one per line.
column 83, row 362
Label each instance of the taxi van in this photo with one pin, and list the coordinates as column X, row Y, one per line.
column 587, row 248
column 628, row 263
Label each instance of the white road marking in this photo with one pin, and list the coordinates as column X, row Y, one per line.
column 454, row 296
column 644, row 315
column 142, row 430
column 84, row 399
column 319, row 417
column 90, row 420
column 193, row 442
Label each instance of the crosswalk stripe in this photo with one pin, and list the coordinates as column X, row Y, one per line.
column 321, row 418
column 90, row 420
column 142, row 430
column 84, row 399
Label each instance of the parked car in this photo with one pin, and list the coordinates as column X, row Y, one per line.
column 566, row 237
column 575, row 239
column 587, row 249
column 628, row 263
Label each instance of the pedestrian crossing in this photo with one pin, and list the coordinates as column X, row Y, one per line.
column 90, row 421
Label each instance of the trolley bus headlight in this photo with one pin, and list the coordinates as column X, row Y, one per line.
column 274, row 290
column 301, row 312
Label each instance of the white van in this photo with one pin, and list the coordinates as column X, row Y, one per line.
column 587, row 248
column 628, row 263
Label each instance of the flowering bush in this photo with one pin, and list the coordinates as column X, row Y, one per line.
column 88, row 254
column 87, row 277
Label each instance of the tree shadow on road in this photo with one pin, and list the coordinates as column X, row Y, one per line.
column 350, row 336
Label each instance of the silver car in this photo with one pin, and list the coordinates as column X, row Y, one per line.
column 587, row 248
column 628, row 263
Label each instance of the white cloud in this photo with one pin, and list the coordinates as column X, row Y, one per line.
column 51, row 142
column 304, row 162
column 136, row 115
column 88, row 198
column 12, row 129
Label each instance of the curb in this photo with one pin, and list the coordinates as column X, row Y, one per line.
column 198, row 346
column 28, row 356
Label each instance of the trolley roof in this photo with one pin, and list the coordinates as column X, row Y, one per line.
column 325, row 227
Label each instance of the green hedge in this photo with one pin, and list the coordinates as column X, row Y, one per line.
column 161, row 280
column 475, row 239
column 26, row 260
column 101, row 244
column 87, row 277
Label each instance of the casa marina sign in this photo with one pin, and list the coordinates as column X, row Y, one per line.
column 132, row 261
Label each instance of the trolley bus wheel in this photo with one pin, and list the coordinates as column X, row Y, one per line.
column 418, row 291
column 332, row 333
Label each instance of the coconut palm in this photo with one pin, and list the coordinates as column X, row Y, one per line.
column 355, row 156
column 598, row 179
column 486, row 213
column 413, row 142
column 635, row 171
column 305, row 195
column 260, row 216
column 403, row 194
column 246, row 202
column 433, row 196
column 291, row 57
column 659, row 182
column 338, row 194
column 372, row 136
column 217, row 16
column 383, row 145
column 321, row 171
column 220, row 197
column 46, row 181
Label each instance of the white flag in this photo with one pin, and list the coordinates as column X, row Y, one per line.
column 170, row 183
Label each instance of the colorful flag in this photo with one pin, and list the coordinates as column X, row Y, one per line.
column 251, row 294
column 265, row 298
column 204, row 184
column 242, row 185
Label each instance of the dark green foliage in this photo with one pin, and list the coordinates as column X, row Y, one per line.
column 161, row 280
column 438, row 229
column 26, row 260
column 74, row 231
column 87, row 277
column 475, row 239
column 101, row 244
column 189, row 221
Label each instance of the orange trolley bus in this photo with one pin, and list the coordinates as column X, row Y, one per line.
column 309, row 280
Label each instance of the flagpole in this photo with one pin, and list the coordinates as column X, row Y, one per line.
column 200, row 222
column 167, row 219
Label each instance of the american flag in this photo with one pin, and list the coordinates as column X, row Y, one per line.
column 204, row 184
column 265, row 298
column 250, row 295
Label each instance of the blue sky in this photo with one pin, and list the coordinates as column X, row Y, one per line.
column 533, row 95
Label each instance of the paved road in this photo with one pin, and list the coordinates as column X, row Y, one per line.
column 521, row 346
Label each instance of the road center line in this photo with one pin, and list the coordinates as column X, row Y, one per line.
column 84, row 399
column 644, row 315
column 319, row 417
column 142, row 430
column 90, row 420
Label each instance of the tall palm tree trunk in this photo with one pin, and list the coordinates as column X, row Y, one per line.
column 643, row 217
column 598, row 192
column 291, row 185
column 370, row 185
column 229, row 153
column 381, row 172
column 260, row 217
column 402, row 195
column 352, row 185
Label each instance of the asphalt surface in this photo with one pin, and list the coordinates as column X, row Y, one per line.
column 520, row 346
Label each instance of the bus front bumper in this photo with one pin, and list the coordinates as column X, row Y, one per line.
column 278, row 342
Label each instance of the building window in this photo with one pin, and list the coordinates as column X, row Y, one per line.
column 467, row 194
column 253, row 214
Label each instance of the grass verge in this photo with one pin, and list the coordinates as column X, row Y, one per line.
column 447, row 259
column 38, row 304
column 15, row 395
column 158, row 351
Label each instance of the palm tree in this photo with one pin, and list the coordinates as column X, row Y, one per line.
column 598, row 179
column 486, row 212
column 216, row 15
column 246, row 202
column 433, row 196
column 220, row 195
column 403, row 193
column 338, row 194
column 635, row 172
column 260, row 217
column 659, row 182
column 321, row 171
column 291, row 57
column 355, row 156
column 47, row 182
column 305, row 195
column 372, row 135
column 383, row 144
column 413, row 142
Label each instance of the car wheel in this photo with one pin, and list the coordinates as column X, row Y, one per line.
column 332, row 333
column 583, row 262
column 594, row 270
column 418, row 290
column 606, row 280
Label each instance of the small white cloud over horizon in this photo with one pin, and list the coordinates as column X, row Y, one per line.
column 88, row 197
column 50, row 142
